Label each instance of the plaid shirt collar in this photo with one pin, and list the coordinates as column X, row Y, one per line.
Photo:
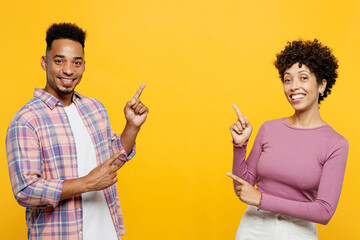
column 52, row 101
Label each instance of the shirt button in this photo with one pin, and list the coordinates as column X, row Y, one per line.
column 280, row 218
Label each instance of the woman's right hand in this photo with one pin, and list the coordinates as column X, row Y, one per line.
column 241, row 129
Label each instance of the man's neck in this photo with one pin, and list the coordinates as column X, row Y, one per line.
column 66, row 99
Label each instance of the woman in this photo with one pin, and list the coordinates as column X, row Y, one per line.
column 297, row 162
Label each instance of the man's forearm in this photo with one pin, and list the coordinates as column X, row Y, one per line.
column 73, row 187
column 99, row 178
column 128, row 137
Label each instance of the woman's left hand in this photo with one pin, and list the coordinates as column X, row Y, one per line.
column 246, row 192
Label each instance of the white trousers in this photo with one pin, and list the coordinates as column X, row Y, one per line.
column 265, row 225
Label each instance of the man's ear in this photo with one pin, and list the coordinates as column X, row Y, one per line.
column 43, row 62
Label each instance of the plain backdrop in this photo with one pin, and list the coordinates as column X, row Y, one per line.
column 197, row 58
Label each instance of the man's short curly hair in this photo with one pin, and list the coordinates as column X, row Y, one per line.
column 65, row 31
column 317, row 57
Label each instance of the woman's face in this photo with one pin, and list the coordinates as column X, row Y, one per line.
column 301, row 89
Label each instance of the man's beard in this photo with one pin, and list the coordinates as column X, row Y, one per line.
column 66, row 91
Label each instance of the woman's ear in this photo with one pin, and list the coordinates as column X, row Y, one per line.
column 322, row 86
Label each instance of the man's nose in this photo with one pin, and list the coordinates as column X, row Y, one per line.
column 68, row 69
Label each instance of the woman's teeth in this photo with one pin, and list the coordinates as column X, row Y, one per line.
column 297, row 96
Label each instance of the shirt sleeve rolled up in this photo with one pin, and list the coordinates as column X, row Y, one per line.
column 25, row 168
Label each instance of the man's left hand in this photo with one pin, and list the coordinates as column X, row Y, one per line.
column 135, row 111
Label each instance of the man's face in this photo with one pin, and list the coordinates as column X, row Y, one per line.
column 64, row 65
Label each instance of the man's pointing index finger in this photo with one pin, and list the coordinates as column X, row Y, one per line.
column 139, row 91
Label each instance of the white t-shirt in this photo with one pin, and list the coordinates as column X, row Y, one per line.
column 97, row 222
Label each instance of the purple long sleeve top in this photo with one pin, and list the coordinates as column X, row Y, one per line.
column 298, row 171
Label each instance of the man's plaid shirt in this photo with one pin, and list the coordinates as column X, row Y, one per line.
column 41, row 154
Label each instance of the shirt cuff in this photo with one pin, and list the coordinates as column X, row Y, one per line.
column 261, row 201
column 125, row 157
column 132, row 153
column 244, row 145
column 51, row 192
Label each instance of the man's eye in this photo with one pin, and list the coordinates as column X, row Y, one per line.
column 58, row 61
column 78, row 63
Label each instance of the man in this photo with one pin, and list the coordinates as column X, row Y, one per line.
column 62, row 153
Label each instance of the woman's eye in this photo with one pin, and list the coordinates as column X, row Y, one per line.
column 287, row 80
column 304, row 78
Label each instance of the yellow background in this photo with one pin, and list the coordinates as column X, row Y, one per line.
column 197, row 57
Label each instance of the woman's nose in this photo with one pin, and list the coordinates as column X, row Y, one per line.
column 295, row 85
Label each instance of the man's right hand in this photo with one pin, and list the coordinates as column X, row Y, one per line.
column 241, row 129
column 99, row 178
column 103, row 176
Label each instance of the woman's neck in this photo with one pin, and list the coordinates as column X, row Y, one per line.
column 306, row 119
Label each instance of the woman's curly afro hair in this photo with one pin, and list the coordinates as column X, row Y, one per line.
column 317, row 57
